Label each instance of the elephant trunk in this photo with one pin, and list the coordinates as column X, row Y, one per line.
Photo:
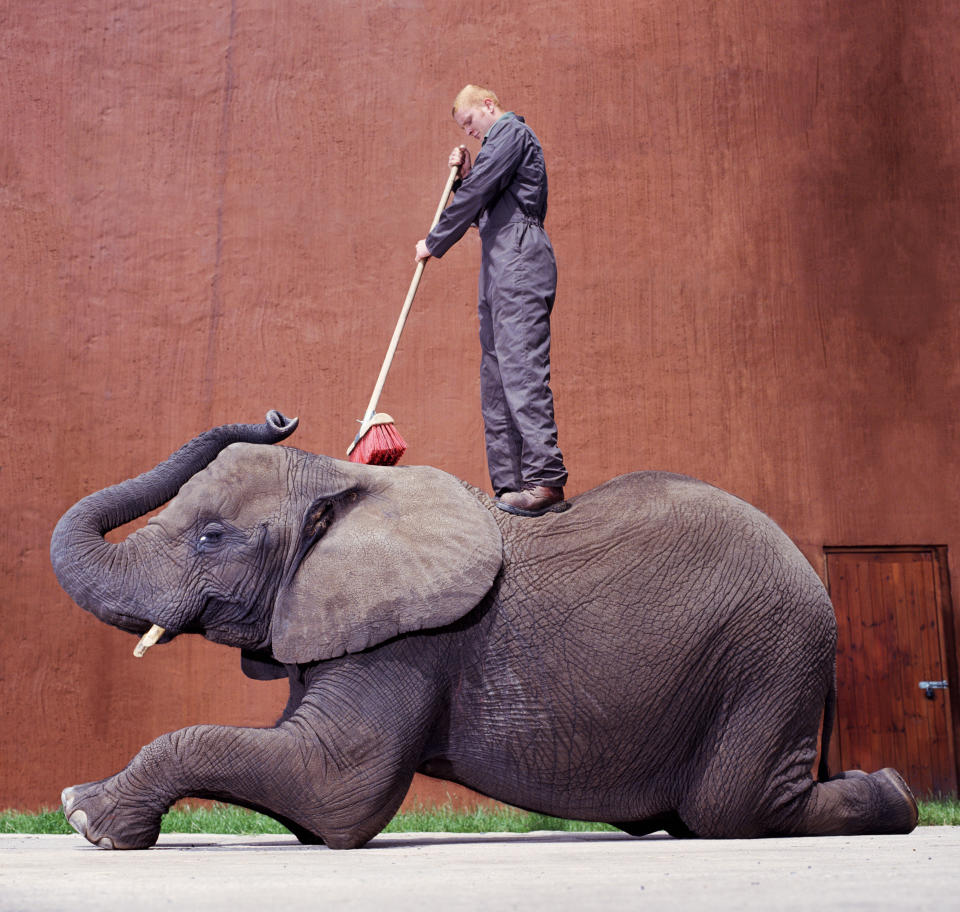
column 100, row 576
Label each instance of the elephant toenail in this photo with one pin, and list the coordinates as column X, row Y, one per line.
column 78, row 820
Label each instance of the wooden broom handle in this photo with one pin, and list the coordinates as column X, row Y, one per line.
column 391, row 351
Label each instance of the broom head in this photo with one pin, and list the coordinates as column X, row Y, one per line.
column 379, row 444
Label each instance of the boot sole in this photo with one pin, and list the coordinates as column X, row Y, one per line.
column 560, row 507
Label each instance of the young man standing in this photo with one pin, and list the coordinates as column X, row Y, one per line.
column 505, row 193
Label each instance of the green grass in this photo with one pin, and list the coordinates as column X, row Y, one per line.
column 45, row 822
column 223, row 818
column 485, row 820
column 942, row 812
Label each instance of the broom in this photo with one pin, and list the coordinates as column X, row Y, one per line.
column 378, row 442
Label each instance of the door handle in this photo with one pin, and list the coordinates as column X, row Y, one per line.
column 928, row 687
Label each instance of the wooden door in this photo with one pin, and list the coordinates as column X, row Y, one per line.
column 894, row 631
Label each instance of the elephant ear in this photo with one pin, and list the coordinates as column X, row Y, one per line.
column 391, row 550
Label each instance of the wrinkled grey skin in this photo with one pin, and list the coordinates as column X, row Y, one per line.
column 659, row 656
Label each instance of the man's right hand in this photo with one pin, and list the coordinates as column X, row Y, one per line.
column 460, row 157
column 422, row 252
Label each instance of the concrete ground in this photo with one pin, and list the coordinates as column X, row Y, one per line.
column 491, row 871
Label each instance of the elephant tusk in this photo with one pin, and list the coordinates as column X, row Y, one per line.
column 147, row 640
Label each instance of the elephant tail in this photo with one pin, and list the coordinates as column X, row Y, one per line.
column 829, row 716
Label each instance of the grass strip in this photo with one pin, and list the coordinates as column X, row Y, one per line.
column 44, row 822
column 445, row 819
column 942, row 812
column 230, row 820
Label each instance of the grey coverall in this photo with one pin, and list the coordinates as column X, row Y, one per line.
column 505, row 193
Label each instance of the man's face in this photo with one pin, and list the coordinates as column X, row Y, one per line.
column 475, row 121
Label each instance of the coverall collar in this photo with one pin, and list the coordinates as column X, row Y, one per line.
column 497, row 123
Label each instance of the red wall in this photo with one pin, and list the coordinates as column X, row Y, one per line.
column 209, row 210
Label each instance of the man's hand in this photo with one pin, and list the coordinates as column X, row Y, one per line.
column 460, row 157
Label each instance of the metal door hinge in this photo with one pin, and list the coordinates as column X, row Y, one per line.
column 928, row 687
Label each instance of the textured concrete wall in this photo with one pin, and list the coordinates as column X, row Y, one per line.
column 209, row 210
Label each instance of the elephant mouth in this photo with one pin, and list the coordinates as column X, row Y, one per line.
column 241, row 636
column 148, row 632
column 232, row 624
column 148, row 637
column 240, row 630
column 128, row 622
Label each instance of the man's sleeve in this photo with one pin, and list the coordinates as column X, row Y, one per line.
column 489, row 177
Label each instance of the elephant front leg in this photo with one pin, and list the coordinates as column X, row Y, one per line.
column 283, row 772
column 122, row 811
column 99, row 812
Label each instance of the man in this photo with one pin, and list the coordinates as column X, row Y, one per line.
column 505, row 193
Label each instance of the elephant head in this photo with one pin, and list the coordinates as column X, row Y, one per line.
column 290, row 556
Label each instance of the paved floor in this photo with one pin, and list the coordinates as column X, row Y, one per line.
column 491, row 871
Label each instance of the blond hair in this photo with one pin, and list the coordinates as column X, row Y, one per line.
column 473, row 96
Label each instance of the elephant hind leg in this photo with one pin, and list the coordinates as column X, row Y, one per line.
column 855, row 803
column 669, row 821
column 761, row 795
column 851, row 804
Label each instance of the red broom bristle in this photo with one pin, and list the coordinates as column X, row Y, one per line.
column 381, row 445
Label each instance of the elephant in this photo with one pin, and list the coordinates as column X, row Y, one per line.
column 658, row 657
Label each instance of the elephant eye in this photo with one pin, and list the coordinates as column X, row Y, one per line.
column 211, row 535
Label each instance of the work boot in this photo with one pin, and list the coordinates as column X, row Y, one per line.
column 534, row 500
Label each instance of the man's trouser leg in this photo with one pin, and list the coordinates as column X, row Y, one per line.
column 519, row 290
column 503, row 443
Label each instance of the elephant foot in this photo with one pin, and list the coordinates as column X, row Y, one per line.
column 903, row 811
column 100, row 815
column 894, row 807
column 856, row 803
